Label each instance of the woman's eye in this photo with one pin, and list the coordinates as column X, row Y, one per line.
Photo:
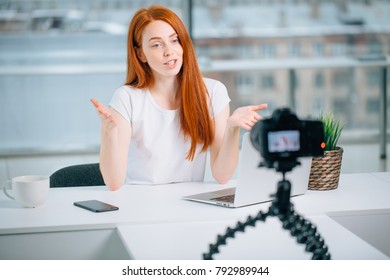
column 156, row 45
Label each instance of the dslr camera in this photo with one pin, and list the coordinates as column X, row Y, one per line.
column 283, row 138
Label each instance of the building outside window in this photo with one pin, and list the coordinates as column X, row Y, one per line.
column 374, row 78
column 318, row 49
column 372, row 105
column 294, row 49
column 319, row 81
column 339, row 49
column 244, row 84
column 65, row 52
column 268, row 51
column 267, row 82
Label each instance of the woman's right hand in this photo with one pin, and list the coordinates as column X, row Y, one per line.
column 246, row 117
column 116, row 135
column 104, row 114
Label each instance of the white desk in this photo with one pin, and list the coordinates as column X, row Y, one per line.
column 264, row 241
column 69, row 232
column 383, row 175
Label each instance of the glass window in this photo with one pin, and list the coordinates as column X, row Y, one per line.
column 375, row 47
column 339, row 49
column 294, row 49
column 244, row 51
column 244, row 84
column 374, row 77
column 267, row 82
column 318, row 106
column 315, row 39
column 267, row 51
column 318, row 49
column 372, row 105
column 319, row 80
column 54, row 57
column 339, row 106
column 341, row 78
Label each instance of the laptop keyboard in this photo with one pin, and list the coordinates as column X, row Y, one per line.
column 225, row 198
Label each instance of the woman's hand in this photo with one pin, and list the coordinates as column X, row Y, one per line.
column 104, row 114
column 114, row 147
column 246, row 117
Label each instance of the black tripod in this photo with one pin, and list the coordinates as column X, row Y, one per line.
column 281, row 207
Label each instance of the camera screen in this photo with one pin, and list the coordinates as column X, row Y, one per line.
column 283, row 141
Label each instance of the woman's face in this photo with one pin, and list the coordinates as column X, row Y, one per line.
column 161, row 49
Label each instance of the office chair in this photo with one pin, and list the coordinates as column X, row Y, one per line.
column 77, row 175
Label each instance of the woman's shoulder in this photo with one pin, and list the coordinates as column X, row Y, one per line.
column 126, row 99
column 215, row 87
column 130, row 90
column 126, row 92
column 211, row 84
column 128, row 95
column 218, row 95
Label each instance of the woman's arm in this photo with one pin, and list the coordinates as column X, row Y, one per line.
column 115, row 141
column 224, row 150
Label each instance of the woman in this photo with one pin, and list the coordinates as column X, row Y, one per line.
column 160, row 124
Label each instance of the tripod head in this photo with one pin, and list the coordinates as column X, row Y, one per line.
column 284, row 138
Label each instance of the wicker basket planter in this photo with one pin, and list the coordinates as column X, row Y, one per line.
column 325, row 171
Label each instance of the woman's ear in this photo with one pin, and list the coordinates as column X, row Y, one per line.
column 140, row 55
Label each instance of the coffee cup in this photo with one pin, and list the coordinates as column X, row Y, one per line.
column 29, row 191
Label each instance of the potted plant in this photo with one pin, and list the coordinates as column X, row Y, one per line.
column 325, row 171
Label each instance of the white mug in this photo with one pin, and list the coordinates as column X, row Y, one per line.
column 29, row 191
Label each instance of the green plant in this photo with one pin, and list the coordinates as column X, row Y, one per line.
column 332, row 130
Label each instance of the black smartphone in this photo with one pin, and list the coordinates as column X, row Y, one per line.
column 96, row 206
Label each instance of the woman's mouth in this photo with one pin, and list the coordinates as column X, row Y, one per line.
column 170, row 62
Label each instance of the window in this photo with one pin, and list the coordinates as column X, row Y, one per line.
column 268, row 51
column 342, row 78
column 319, row 80
column 56, row 55
column 339, row 49
column 372, row 105
column 244, row 84
column 267, row 82
column 318, row 105
column 374, row 78
column 375, row 47
column 318, row 49
column 244, row 51
column 340, row 106
column 294, row 49
column 91, row 35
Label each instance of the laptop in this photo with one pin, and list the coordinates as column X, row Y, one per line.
column 254, row 184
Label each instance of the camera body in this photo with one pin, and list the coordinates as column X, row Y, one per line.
column 284, row 138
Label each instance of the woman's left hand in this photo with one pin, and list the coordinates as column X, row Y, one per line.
column 246, row 117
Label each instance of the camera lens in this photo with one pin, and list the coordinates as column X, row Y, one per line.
column 255, row 135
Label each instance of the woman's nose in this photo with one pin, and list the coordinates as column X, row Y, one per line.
column 168, row 51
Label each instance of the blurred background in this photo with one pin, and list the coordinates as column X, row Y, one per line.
column 312, row 56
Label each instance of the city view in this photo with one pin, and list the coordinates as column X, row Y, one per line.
column 312, row 56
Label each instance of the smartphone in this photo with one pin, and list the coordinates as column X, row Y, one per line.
column 96, row 206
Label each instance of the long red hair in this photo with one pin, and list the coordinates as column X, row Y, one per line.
column 195, row 120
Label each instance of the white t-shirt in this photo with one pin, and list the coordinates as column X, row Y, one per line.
column 157, row 153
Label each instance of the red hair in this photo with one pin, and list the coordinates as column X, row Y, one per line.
column 195, row 120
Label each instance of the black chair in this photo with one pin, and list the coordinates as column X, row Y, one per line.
column 77, row 176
